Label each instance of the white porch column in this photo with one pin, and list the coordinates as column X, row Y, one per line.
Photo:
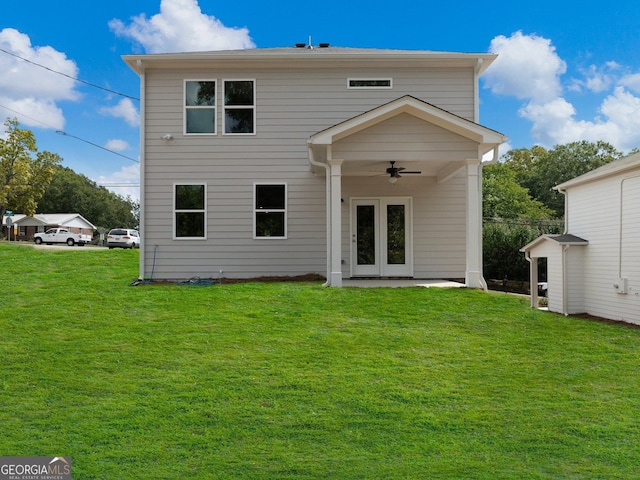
column 473, row 274
column 336, row 222
column 533, row 282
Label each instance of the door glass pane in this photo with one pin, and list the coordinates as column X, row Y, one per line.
column 395, row 235
column 365, row 235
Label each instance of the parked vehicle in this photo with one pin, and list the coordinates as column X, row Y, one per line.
column 61, row 235
column 123, row 238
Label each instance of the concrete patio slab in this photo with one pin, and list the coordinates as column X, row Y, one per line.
column 399, row 283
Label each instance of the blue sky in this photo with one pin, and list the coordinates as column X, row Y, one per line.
column 566, row 71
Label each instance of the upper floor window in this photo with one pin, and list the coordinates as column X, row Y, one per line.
column 189, row 210
column 239, row 107
column 200, row 107
column 369, row 83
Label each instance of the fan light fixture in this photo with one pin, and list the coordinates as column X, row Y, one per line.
column 394, row 172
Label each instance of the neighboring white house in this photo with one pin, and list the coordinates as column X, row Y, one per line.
column 27, row 226
column 595, row 267
column 289, row 161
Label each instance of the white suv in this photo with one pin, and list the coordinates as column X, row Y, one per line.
column 123, row 238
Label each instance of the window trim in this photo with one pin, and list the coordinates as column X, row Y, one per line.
column 199, row 107
column 175, row 210
column 275, row 210
column 361, row 87
column 238, row 107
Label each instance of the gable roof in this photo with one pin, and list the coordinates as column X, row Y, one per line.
column 560, row 239
column 61, row 219
column 628, row 163
column 418, row 108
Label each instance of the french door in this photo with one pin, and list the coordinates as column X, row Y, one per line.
column 381, row 237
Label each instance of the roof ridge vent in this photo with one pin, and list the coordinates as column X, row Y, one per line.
column 310, row 46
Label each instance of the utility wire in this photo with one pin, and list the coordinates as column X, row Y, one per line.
column 96, row 145
column 69, row 76
column 61, row 132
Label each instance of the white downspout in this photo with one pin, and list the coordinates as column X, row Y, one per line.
column 328, row 208
column 483, row 281
column 566, row 210
column 140, row 69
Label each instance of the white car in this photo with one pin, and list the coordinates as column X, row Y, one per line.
column 123, row 238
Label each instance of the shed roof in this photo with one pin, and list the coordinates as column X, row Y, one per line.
column 560, row 239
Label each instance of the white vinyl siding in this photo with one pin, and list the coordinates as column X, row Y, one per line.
column 439, row 228
column 407, row 138
column 552, row 251
column 605, row 213
column 293, row 105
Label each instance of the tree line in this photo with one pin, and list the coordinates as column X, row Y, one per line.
column 520, row 204
column 33, row 181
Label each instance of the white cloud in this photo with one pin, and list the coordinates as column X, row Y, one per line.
column 117, row 182
column 597, row 79
column 181, row 27
column 631, row 81
column 126, row 110
column 527, row 67
column 32, row 90
column 117, row 145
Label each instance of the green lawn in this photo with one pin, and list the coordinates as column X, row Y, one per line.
column 297, row 381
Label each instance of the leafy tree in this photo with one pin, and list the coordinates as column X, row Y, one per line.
column 504, row 197
column 73, row 192
column 502, row 242
column 539, row 170
column 24, row 171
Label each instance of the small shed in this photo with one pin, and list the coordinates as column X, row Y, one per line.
column 595, row 267
column 565, row 271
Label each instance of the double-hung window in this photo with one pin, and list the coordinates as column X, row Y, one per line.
column 200, row 107
column 239, row 107
column 190, row 214
column 270, row 210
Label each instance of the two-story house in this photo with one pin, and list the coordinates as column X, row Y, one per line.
column 342, row 162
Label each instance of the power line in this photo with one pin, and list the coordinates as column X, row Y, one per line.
column 96, row 145
column 69, row 76
column 61, row 132
column 102, row 184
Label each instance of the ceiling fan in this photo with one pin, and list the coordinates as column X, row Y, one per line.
column 394, row 172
